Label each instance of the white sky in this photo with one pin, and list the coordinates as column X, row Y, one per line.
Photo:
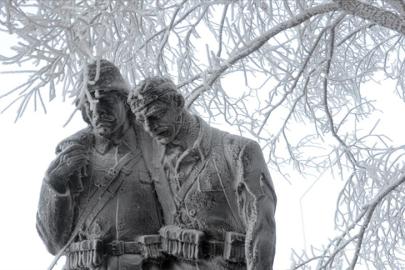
column 27, row 148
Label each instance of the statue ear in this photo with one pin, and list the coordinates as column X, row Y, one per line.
column 180, row 101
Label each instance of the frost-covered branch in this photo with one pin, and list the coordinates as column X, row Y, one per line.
column 255, row 45
column 377, row 15
column 289, row 74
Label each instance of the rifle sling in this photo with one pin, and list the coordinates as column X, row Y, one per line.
column 101, row 197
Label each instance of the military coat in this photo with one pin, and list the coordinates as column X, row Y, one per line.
column 222, row 185
column 132, row 210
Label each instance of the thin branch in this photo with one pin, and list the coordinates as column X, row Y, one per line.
column 325, row 96
column 256, row 44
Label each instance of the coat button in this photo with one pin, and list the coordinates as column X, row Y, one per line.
column 192, row 212
column 121, row 226
column 122, row 190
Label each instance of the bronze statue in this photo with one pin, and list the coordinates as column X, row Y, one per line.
column 98, row 204
column 215, row 189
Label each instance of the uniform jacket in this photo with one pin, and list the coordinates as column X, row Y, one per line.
column 133, row 210
column 222, row 184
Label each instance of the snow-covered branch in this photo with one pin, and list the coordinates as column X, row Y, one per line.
column 289, row 74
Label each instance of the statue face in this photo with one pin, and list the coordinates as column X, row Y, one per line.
column 160, row 120
column 108, row 114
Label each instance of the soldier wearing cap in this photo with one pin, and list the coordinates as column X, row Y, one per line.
column 219, row 199
column 98, row 205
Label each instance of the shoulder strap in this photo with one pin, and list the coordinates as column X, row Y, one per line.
column 100, row 198
column 151, row 152
column 163, row 189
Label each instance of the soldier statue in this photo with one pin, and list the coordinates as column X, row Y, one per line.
column 98, row 204
column 215, row 189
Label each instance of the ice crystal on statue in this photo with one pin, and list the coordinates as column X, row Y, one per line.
column 300, row 61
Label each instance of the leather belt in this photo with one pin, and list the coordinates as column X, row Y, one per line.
column 232, row 249
column 213, row 248
column 230, row 252
column 118, row 248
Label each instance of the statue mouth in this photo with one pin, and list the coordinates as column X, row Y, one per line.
column 103, row 124
column 161, row 132
column 105, row 120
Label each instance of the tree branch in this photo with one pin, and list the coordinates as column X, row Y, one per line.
column 255, row 44
column 398, row 5
column 377, row 15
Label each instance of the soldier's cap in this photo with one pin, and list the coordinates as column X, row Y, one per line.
column 109, row 79
column 150, row 90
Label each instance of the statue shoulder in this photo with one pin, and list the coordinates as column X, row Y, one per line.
column 245, row 157
column 84, row 136
column 240, row 151
column 235, row 145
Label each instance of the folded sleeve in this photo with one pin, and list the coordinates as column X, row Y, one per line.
column 54, row 217
column 257, row 205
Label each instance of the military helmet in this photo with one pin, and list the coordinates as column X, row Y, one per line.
column 109, row 79
column 150, row 90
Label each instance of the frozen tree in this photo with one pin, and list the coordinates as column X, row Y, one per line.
column 304, row 61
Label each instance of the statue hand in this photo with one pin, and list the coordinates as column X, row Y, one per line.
column 72, row 158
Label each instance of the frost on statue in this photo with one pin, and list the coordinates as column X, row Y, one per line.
column 215, row 189
column 98, row 205
column 166, row 191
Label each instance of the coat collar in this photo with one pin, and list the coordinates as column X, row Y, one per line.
column 202, row 146
column 203, row 142
column 128, row 141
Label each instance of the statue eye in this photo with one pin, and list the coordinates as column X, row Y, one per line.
column 160, row 114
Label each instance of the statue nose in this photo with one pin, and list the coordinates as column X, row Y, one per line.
column 149, row 126
column 98, row 110
column 98, row 115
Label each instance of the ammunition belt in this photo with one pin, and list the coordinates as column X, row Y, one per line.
column 91, row 253
column 118, row 248
column 191, row 244
column 182, row 243
column 85, row 254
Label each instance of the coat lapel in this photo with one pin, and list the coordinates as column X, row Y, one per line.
column 152, row 152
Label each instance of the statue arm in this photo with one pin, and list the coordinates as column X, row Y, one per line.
column 54, row 216
column 257, row 205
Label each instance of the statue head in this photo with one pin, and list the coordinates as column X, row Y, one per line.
column 109, row 110
column 158, row 107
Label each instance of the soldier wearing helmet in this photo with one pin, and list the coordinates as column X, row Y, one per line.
column 98, row 205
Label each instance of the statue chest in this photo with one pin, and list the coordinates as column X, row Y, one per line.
column 132, row 209
column 204, row 199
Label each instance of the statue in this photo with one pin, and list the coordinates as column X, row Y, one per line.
column 98, row 204
column 215, row 189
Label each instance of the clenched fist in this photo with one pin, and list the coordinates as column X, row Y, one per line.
column 71, row 159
